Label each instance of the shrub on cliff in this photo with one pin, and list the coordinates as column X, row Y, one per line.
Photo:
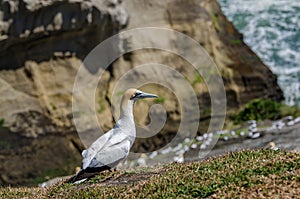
column 265, row 109
column 259, row 109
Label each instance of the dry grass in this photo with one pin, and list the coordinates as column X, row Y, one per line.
column 245, row 174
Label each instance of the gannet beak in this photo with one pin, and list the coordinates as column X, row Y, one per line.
column 147, row 95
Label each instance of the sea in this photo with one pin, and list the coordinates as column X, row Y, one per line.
column 272, row 29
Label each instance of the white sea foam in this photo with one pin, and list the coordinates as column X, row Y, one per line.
column 271, row 28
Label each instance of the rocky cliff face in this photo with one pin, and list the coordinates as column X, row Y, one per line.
column 244, row 74
column 43, row 43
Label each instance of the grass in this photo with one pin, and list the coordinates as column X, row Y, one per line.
column 215, row 22
column 120, row 93
column 102, row 106
column 265, row 109
column 286, row 110
column 197, row 79
column 159, row 100
column 240, row 174
column 235, row 41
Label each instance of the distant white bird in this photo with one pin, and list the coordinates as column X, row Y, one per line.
column 114, row 146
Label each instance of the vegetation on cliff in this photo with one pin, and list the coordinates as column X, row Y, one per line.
column 248, row 174
column 265, row 109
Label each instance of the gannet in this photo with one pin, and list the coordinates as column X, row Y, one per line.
column 114, row 146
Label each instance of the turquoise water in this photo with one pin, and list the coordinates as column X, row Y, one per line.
column 272, row 29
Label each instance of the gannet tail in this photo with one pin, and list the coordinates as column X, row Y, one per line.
column 85, row 174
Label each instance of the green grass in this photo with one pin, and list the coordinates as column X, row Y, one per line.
column 265, row 109
column 235, row 41
column 102, row 106
column 120, row 93
column 197, row 79
column 159, row 100
column 286, row 110
column 216, row 22
column 233, row 175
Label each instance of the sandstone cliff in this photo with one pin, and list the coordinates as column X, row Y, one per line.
column 43, row 43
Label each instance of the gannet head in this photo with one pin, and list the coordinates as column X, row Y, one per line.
column 130, row 96
column 137, row 94
column 134, row 94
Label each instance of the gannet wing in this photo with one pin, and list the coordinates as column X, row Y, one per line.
column 99, row 144
column 111, row 155
column 103, row 160
column 112, row 137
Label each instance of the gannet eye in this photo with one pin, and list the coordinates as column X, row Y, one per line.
column 136, row 95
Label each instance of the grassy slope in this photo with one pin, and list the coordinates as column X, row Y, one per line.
column 241, row 174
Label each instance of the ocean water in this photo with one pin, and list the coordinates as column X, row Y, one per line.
column 272, row 29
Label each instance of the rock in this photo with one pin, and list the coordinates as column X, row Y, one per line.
column 199, row 138
column 42, row 46
column 179, row 158
column 255, row 135
column 30, row 161
column 32, row 124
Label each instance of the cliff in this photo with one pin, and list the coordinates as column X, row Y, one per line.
column 43, row 43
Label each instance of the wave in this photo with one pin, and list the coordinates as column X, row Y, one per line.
column 272, row 29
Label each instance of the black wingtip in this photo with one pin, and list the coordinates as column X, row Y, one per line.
column 87, row 173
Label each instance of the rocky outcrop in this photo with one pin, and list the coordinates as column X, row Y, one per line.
column 43, row 43
column 39, row 30
column 42, row 46
column 244, row 74
column 26, row 161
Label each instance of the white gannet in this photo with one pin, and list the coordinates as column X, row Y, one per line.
column 114, row 146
